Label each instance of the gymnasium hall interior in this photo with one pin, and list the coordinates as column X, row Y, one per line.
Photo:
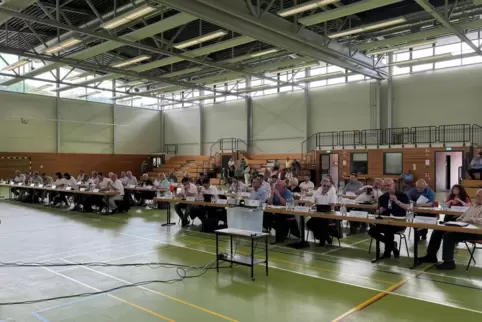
column 240, row 160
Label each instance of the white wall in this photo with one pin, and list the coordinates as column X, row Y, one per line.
column 279, row 123
column 85, row 127
column 340, row 108
column 182, row 127
column 38, row 135
column 224, row 120
column 449, row 96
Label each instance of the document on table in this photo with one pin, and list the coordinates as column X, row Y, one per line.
column 457, row 223
column 459, row 208
column 421, row 200
column 360, row 214
column 425, row 220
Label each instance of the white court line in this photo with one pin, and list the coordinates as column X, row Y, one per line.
column 108, row 294
column 331, row 280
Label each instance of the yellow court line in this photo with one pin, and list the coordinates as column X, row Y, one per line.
column 112, row 296
column 379, row 296
column 141, row 308
column 170, row 246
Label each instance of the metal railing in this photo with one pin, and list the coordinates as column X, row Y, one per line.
column 170, row 148
column 443, row 134
column 228, row 145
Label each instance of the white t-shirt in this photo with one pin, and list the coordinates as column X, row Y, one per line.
column 118, row 187
column 71, row 182
column 60, row 182
column 212, row 190
column 364, row 197
column 104, row 184
column 192, row 190
column 19, row 178
column 324, row 199
column 124, row 180
column 305, row 186
column 131, row 181
column 240, row 187
column 267, row 186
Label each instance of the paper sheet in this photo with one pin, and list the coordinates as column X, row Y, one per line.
column 421, row 200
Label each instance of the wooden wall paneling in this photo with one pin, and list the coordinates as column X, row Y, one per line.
column 411, row 157
column 51, row 163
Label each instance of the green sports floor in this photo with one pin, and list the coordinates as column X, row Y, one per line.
column 316, row 284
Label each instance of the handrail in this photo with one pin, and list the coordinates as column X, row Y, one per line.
column 170, row 148
column 430, row 134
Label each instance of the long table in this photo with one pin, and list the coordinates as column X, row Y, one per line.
column 474, row 229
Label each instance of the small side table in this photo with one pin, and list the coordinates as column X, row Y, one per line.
column 246, row 260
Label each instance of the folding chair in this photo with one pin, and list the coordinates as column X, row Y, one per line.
column 472, row 252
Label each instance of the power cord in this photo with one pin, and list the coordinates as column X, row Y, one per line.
column 182, row 272
column 152, row 265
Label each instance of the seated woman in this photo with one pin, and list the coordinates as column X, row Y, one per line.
column 293, row 186
column 325, row 200
column 450, row 239
column 457, row 197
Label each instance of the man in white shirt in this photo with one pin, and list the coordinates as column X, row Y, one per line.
column 307, row 185
column 325, row 199
column 123, row 178
column 188, row 189
column 116, row 186
column 450, row 239
column 131, row 180
column 265, row 184
column 80, row 177
column 102, row 182
column 19, row 177
column 369, row 193
column 237, row 186
column 208, row 189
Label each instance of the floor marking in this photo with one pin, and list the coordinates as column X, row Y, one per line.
column 335, row 281
column 82, row 299
column 38, row 316
column 112, row 296
column 379, row 296
column 162, row 294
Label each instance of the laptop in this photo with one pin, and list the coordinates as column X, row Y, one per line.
column 323, row 208
column 208, row 198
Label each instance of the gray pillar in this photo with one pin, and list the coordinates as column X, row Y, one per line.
column 57, row 115
column 308, row 109
column 249, row 119
column 375, row 92
column 201, row 128
column 390, row 98
column 114, row 122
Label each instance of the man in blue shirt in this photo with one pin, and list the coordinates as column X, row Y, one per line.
column 422, row 189
column 280, row 196
column 476, row 166
column 259, row 192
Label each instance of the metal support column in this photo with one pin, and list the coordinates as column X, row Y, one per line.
column 249, row 119
column 390, row 98
column 201, row 125
column 308, row 106
column 114, row 120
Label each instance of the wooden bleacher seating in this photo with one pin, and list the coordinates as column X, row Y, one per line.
column 472, row 186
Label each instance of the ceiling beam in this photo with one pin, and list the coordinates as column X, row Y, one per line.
column 127, row 42
column 271, row 29
column 79, row 11
column 446, row 23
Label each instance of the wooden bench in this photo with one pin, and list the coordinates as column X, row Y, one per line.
column 468, row 183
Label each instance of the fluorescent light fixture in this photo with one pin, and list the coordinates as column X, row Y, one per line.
column 16, row 65
column 200, row 39
column 264, row 52
column 405, row 46
column 62, row 45
column 294, row 68
column 40, row 88
column 129, row 99
column 128, row 17
column 310, row 5
column 422, row 60
column 131, row 61
column 132, row 83
column 377, row 25
column 79, row 76
column 90, row 94
column 322, row 76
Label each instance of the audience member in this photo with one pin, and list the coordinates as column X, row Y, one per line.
column 259, row 191
column 325, row 200
column 457, row 197
column 307, row 185
column 188, row 189
column 450, row 239
column 280, row 196
column 353, row 185
column 422, row 196
column 475, row 166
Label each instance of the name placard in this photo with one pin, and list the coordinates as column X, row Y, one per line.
column 222, row 201
column 20, row 183
column 131, row 186
column 32, row 185
column 359, row 214
column 54, row 186
column 82, row 189
column 68, row 188
column 459, row 208
column 302, row 209
column 95, row 190
column 190, row 198
column 40, row 185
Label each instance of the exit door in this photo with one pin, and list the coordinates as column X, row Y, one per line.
column 329, row 166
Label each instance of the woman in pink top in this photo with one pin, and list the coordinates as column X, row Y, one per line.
column 457, row 197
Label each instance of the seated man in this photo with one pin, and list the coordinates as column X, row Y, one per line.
column 280, row 196
column 326, row 199
column 475, row 166
column 422, row 196
column 123, row 178
column 407, row 178
column 307, row 185
column 19, row 178
column 265, row 184
column 115, row 185
column 259, row 192
column 394, row 203
column 188, row 189
column 366, row 194
column 353, row 185
column 237, row 186
column 450, row 239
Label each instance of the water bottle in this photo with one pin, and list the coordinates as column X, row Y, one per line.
column 343, row 210
column 410, row 212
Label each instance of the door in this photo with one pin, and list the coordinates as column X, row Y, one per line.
column 447, row 169
column 329, row 166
